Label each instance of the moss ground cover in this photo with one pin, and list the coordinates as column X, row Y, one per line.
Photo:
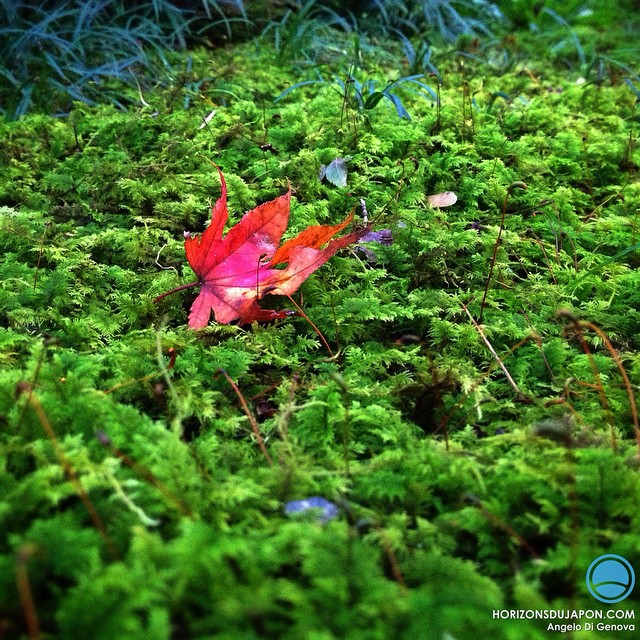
column 474, row 420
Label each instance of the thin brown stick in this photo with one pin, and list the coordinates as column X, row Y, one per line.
column 474, row 386
column 70, row 471
column 627, row 383
column 24, row 591
column 537, row 240
column 493, row 352
column 141, row 470
column 392, row 558
column 26, row 387
column 538, row 341
column 577, row 327
column 501, row 524
column 40, row 252
column 515, row 185
column 565, row 403
column 250, row 416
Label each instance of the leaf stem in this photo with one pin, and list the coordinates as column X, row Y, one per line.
column 306, row 317
column 180, row 288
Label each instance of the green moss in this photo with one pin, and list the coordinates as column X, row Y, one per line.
column 446, row 473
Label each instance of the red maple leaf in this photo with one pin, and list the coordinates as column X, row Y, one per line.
column 236, row 270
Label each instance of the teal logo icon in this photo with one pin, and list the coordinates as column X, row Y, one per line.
column 610, row 578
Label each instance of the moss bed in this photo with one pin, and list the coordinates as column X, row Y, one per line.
column 480, row 456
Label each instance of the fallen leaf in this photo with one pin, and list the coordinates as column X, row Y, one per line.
column 384, row 236
column 237, row 270
column 335, row 172
column 444, row 199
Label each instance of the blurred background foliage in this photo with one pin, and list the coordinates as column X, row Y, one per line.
column 52, row 53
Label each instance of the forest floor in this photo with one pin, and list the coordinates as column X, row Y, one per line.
column 457, row 395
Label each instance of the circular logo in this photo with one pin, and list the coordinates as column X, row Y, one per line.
column 610, row 578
